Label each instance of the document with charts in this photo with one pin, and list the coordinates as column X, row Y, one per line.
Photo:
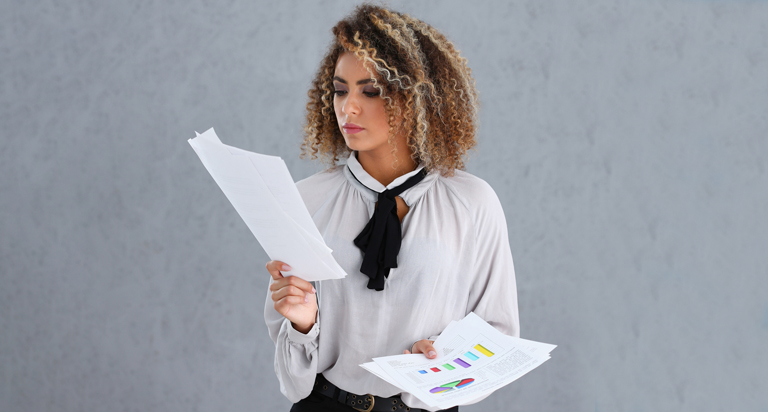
column 474, row 359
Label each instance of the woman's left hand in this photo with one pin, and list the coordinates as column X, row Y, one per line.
column 423, row 346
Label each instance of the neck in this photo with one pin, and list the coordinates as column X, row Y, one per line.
column 381, row 167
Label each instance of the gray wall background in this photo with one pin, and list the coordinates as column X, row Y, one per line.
column 626, row 140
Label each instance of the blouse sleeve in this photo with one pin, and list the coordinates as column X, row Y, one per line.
column 493, row 295
column 296, row 354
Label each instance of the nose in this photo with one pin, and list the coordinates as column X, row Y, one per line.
column 351, row 106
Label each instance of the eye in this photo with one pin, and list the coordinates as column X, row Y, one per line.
column 339, row 89
column 371, row 92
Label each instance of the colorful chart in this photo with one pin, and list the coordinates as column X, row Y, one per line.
column 483, row 350
column 461, row 362
column 471, row 355
column 452, row 385
column 464, row 382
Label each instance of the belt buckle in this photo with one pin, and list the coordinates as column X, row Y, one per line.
column 370, row 408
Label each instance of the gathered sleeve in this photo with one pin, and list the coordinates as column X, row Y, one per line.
column 296, row 354
column 493, row 295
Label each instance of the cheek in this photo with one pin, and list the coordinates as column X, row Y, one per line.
column 339, row 114
column 381, row 114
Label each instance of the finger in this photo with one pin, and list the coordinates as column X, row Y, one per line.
column 292, row 281
column 274, row 267
column 425, row 346
column 289, row 290
column 284, row 305
column 406, row 352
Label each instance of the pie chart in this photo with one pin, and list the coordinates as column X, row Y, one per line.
column 452, row 385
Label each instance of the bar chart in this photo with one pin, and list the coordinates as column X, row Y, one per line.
column 477, row 352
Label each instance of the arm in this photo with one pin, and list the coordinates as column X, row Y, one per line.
column 493, row 295
column 292, row 319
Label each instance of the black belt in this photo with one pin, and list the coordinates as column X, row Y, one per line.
column 363, row 403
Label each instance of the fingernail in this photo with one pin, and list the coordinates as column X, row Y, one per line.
column 306, row 298
column 313, row 290
column 285, row 267
column 432, row 354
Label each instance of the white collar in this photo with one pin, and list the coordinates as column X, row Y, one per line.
column 367, row 185
column 368, row 181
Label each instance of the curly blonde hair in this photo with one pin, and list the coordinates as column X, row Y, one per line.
column 426, row 83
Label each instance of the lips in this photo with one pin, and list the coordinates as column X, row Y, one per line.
column 351, row 128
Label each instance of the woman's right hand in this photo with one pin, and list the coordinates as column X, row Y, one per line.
column 294, row 298
column 423, row 346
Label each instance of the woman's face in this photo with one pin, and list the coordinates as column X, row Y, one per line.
column 360, row 110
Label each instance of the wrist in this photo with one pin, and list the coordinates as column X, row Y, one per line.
column 303, row 328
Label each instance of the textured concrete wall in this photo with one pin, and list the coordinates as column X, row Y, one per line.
column 626, row 139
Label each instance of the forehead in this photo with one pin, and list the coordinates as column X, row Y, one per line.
column 350, row 68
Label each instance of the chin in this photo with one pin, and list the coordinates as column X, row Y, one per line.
column 354, row 144
column 365, row 144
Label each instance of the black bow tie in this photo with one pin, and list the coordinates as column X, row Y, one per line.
column 381, row 238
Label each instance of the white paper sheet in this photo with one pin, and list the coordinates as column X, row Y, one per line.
column 474, row 359
column 263, row 193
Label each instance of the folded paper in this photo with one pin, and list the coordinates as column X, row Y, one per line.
column 264, row 195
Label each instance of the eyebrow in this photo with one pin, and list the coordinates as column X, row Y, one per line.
column 364, row 81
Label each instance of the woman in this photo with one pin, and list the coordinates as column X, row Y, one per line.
column 422, row 242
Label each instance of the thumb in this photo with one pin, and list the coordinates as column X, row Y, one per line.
column 425, row 346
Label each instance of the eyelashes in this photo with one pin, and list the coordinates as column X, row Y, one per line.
column 369, row 93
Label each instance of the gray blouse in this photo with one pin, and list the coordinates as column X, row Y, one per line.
column 454, row 259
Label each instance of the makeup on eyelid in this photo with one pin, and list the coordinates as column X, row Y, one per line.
column 368, row 91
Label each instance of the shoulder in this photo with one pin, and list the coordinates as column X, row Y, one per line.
column 316, row 188
column 482, row 206
column 471, row 191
